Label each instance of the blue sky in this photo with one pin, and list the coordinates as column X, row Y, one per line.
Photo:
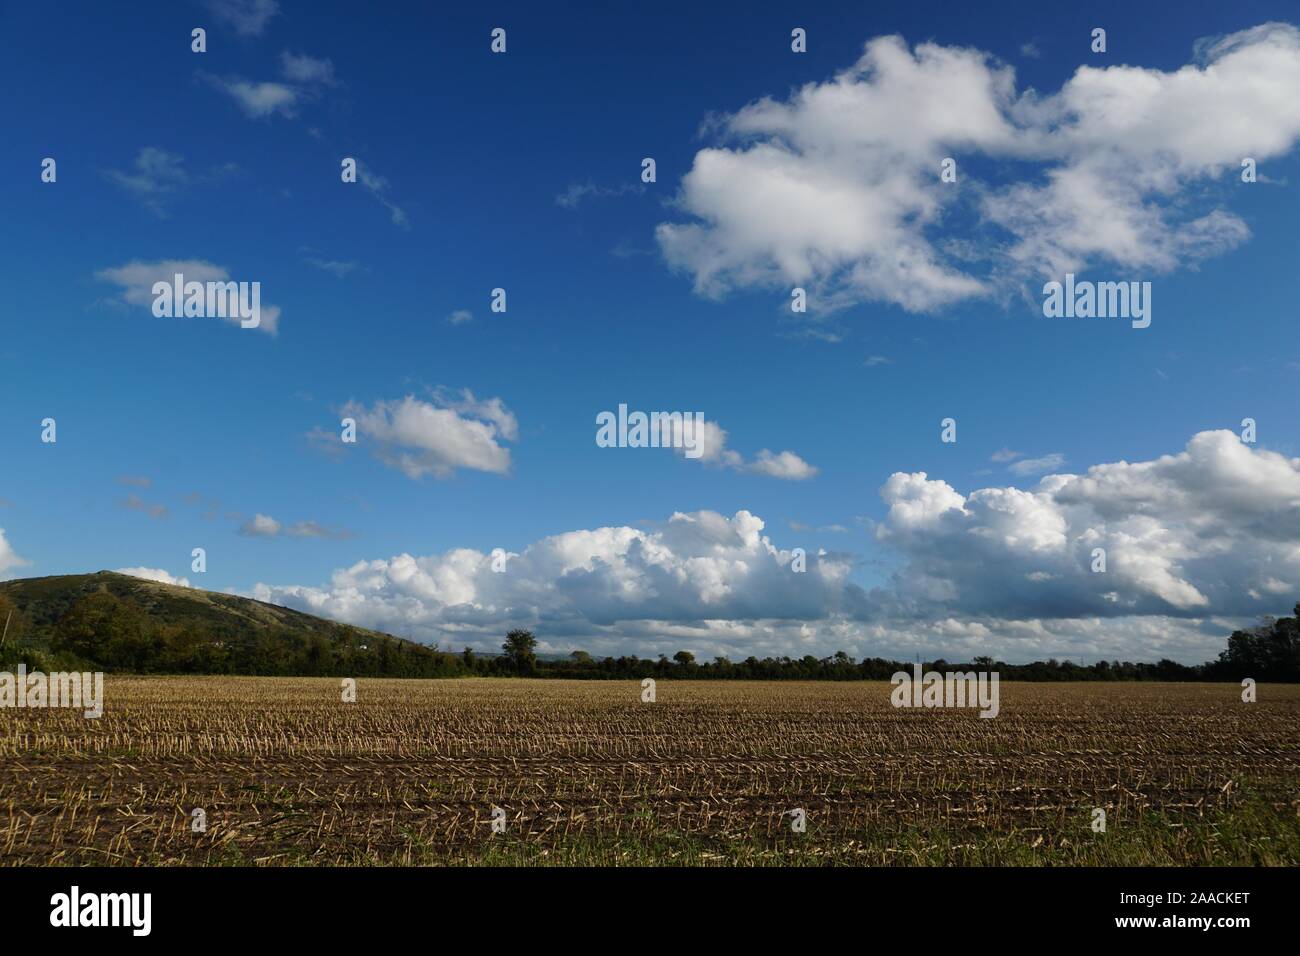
column 522, row 171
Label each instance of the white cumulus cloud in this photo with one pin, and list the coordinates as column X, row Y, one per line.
column 711, row 443
column 155, row 574
column 837, row 187
column 1184, row 534
column 690, row 568
column 439, row 436
column 9, row 559
column 1197, row 543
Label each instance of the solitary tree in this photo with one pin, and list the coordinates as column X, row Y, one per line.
column 519, row 648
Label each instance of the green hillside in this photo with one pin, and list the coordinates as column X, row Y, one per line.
column 118, row 623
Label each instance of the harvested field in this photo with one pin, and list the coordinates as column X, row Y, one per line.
column 288, row 774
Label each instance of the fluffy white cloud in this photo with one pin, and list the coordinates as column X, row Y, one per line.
column 784, row 464
column 691, row 569
column 438, row 436
column 1210, row 529
column 710, row 442
column 260, row 526
column 9, row 559
column 1197, row 543
column 712, row 446
column 137, row 278
column 155, row 574
column 837, row 188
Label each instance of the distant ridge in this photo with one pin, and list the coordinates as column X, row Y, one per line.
column 118, row 622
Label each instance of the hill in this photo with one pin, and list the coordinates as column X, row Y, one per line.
column 115, row 622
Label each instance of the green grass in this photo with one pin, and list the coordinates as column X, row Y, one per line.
column 1250, row 833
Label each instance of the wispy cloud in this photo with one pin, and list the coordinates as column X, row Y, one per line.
column 379, row 187
column 819, row 529
column 136, row 503
column 334, row 267
column 137, row 279
column 156, row 178
column 578, row 193
column 258, row 100
column 264, row 526
column 303, row 78
column 307, row 70
column 245, row 17
column 1037, row 466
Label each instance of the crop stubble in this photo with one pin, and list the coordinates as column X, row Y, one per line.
column 287, row 773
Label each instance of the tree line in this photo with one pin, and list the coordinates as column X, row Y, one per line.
column 102, row 631
column 1269, row 652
